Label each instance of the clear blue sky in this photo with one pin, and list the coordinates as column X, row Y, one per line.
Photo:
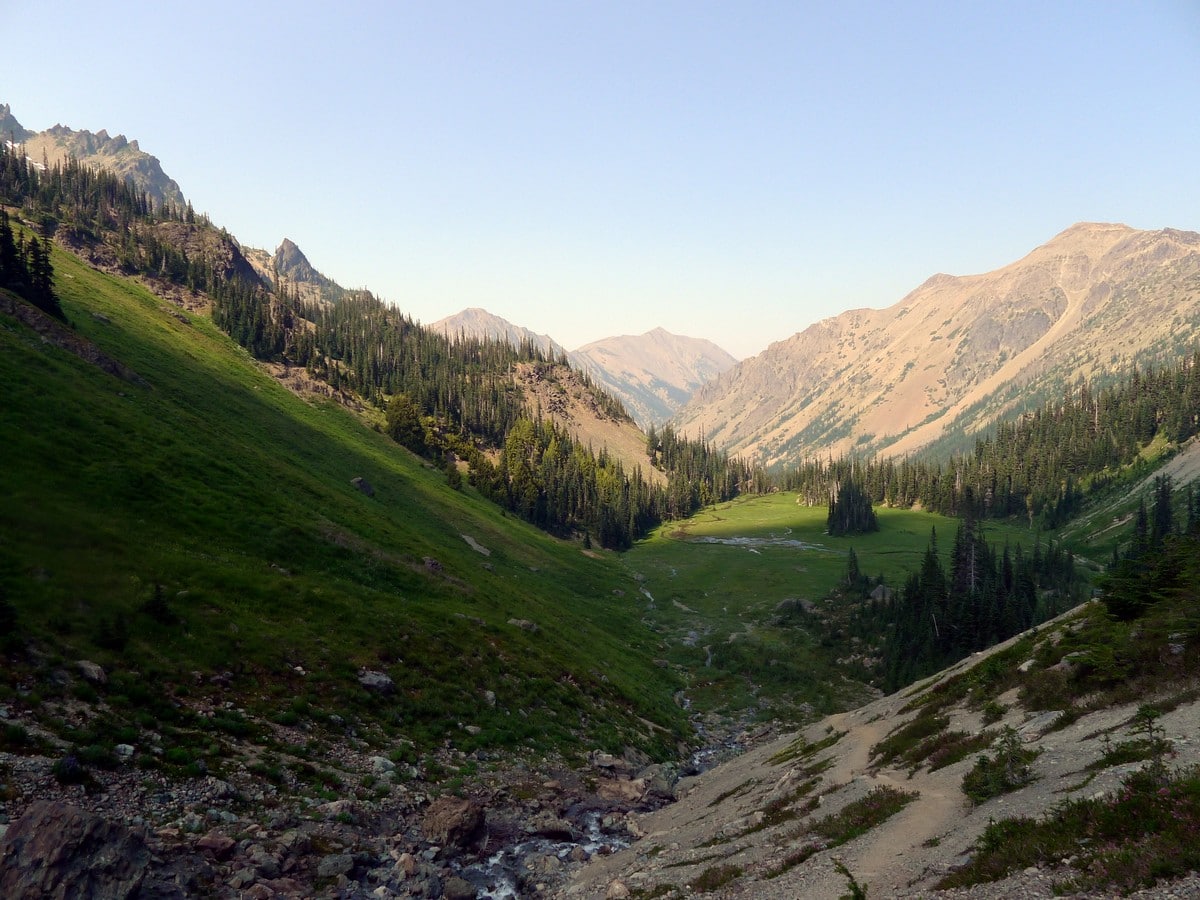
column 734, row 171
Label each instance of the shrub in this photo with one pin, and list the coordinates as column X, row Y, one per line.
column 1144, row 833
column 1006, row 771
column 69, row 770
column 902, row 742
column 993, row 711
column 715, row 877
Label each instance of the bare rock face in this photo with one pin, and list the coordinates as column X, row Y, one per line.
column 56, row 850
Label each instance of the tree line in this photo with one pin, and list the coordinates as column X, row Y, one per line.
column 1042, row 465
column 942, row 613
column 1162, row 558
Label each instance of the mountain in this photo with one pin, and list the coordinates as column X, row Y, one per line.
column 960, row 351
column 653, row 374
column 479, row 323
column 113, row 154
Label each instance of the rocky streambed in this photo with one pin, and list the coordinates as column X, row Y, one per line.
column 516, row 828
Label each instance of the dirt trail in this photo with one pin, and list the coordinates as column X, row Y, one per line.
column 880, row 860
column 855, row 747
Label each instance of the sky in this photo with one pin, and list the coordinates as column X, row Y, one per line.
column 730, row 171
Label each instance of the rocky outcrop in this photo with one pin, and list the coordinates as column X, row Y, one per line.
column 100, row 150
column 56, row 850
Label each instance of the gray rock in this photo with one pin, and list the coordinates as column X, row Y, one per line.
column 363, row 485
column 546, row 824
column 59, row 850
column 91, row 671
column 379, row 682
column 457, row 888
column 381, row 765
column 335, row 864
column 524, row 625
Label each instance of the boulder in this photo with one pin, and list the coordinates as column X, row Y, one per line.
column 91, row 671
column 59, row 850
column 381, row 765
column 363, row 485
column 621, row 790
column 335, row 864
column 660, row 781
column 218, row 845
column 601, row 760
column 546, row 824
column 458, row 888
column 378, row 682
column 453, row 821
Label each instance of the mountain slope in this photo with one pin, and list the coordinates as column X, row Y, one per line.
column 959, row 351
column 653, row 374
column 200, row 483
column 882, row 789
column 114, row 154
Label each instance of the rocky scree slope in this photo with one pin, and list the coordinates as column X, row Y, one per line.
column 653, row 374
column 958, row 352
column 766, row 824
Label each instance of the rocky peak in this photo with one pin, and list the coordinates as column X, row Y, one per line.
column 290, row 262
column 10, row 128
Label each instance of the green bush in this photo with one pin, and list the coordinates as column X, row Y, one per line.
column 1001, row 773
column 715, row 877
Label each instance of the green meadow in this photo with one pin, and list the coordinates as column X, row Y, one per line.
column 713, row 588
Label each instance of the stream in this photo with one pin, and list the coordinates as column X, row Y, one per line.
column 507, row 871
column 499, row 876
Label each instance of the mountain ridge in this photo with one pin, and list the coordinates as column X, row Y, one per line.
column 896, row 379
column 115, row 154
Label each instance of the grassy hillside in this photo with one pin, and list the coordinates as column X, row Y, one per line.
column 202, row 520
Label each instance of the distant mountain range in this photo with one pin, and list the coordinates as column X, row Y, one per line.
column 931, row 371
column 652, row 374
column 960, row 352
